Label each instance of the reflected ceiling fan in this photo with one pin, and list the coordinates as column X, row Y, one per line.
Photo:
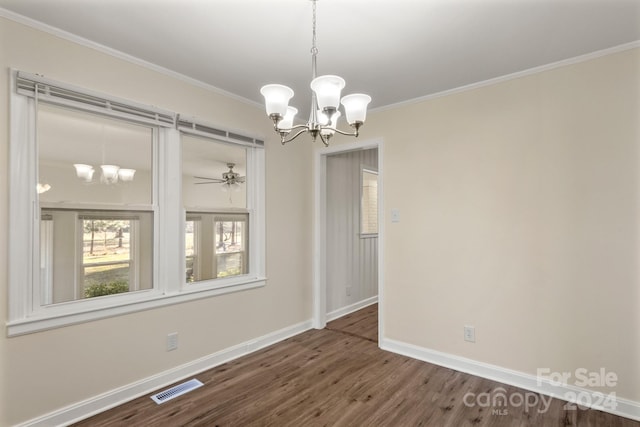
column 229, row 179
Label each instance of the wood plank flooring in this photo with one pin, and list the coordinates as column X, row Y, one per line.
column 339, row 377
column 362, row 323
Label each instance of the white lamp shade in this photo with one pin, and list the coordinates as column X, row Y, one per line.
column 327, row 89
column 276, row 98
column 355, row 107
column 287, row 120
column 322, row 118
column 333, row 124
column 110, row 172
column 43, row 188
column 84, row 172
column 126, row 174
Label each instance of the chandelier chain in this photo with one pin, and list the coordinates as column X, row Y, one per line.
column 325, row 101
column 314, row 49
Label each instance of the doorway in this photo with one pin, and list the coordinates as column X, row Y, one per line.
column 348, row 242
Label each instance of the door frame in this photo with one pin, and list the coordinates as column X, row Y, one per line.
column 319, row 319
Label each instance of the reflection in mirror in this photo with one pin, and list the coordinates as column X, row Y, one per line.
column 91, row 170
column 213, row 174
column 216, row 245
column 215, row 200
column 86, row 158
column 86, row 254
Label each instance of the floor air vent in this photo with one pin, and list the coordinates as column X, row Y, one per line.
column 176, row 391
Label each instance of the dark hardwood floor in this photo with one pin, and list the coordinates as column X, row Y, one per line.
column 339, row 377
column 362, row 323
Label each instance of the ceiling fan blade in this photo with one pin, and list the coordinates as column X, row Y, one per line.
column 210, row 180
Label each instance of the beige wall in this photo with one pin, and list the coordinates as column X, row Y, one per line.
column 519, row 215
column 45, row 371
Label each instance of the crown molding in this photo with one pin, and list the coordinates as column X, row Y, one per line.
column 512, row 76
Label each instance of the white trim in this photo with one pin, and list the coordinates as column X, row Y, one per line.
column 120, row 55
column 624, row 407
column 319, row 293
column 27, row 314
column 97, row 404
column 335, row 314
column 512, row 76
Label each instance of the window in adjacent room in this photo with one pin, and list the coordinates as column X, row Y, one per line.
column 369, row 202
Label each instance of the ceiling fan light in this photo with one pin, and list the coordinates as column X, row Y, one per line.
column 355, row 107
column 276, row 99
column 327, row 89
column 287, row 121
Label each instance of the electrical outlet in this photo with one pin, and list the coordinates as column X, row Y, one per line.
column 172, row 341
column 348, row 291
column 470, row 333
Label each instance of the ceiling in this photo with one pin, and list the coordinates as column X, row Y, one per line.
column 394, row 50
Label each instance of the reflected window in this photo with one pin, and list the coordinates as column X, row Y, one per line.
column 214, row 195
column 111, row 253
column 92, row 170
column 231, row 235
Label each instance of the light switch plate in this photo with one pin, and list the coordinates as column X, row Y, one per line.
column 395, row 215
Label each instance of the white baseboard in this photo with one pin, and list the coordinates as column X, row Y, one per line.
column 351, row 308
column 113, row 398
column 587, row 398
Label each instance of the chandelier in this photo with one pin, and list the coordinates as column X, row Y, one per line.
column 325, row 100
column 110, row 173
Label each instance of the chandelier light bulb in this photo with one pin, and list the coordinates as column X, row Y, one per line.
column 126, row 175
column 323, row 119
column 287, row 121
column 328, row 131
column 43, row 188
column 84, row 172
column 110, row 173
column 327, row 89
column 276, row 98
column 355, row 107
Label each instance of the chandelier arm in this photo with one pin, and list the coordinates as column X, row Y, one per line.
column 284, row 141
column 356, row 133
column 287, row 130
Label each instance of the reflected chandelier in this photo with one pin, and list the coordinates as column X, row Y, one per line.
column 325, row 100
